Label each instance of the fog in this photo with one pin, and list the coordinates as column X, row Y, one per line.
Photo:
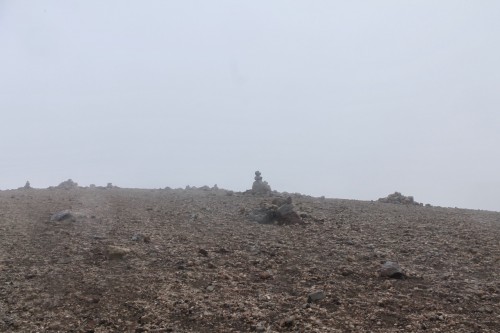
column 346, row 99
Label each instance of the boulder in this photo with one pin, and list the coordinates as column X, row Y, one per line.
column 284, row 214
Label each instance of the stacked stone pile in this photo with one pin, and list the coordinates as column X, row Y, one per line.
column 67, row 185
column 398, row 198
column 259, row 186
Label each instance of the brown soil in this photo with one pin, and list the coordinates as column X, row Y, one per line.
column 201, row 266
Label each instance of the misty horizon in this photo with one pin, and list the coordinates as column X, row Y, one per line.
column 343, row 100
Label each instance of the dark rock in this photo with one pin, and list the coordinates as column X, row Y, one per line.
column 282, row 215
column 288, row 322
column 264, row 215
column 140, row 238
column 62, row 215
column 265, row 275
column 316, row 296
column 285, row 209
column 392, row 270
column 282, row 201
column 203, row 252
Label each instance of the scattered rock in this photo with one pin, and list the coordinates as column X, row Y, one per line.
column 203, row 252
column 392, row 270
column 260, row 327
column 288, row 322
column 141, row 238
column 61, row 216
column 316, row 296
column 116, row 252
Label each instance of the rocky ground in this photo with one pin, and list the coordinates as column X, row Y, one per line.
column 128, row 260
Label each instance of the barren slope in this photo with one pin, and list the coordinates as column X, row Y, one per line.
column 207, row 268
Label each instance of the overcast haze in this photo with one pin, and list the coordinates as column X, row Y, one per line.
column 347, row 99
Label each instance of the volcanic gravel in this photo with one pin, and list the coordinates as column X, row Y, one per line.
column 130, row 260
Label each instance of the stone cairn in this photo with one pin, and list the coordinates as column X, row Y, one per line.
column 398, row 198
column 27, row 186
column 259, row 186
column 67, row 185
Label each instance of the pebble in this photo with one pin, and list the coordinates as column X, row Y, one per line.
column 316, row 296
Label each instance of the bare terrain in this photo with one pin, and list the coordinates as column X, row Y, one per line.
column 129, row 260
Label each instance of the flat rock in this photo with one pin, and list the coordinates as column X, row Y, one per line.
column 316, row 296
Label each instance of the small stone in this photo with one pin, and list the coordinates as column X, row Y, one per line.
column 62, row 215
column 392, row 270
column 203, row 252
column 260, row 327
column 116, row 252
column 140, row 238
column 316, row 296
column 288, row 322
column 210, row 288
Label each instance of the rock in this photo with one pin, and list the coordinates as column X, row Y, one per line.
column 316, row 296
column 210, row 288
column 203, row 252
column 288, row 322
column 263, row 215
column 270, row 213
column 116, row 252
column 282, row 201
column 67, row 185
column 285, row 209
column 260, row 327
column 265, row 275
column 392, row 270
column 27, row 186
column 62, row 215
column 140, row 238
column 398, row 198
column 287, row 215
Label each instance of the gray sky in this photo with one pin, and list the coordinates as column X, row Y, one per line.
column 347, row 99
